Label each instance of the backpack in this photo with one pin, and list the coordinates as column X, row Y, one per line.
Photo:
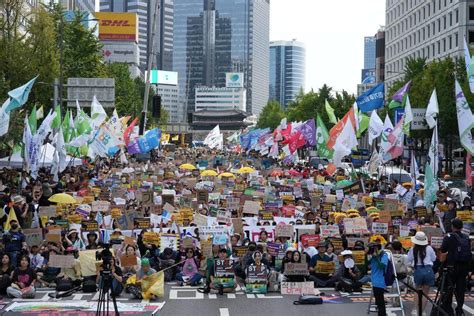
column 308, row 300
column 400, row 266
column 389, row 274
column 463, row 249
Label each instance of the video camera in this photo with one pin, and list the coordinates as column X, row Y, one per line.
column 104, row 255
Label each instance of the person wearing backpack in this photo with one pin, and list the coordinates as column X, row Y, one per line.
column 379, row 262
column 421, row 257
column 456, row 255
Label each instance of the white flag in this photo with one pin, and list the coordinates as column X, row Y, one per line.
column 386, row 130
column 98, row 114
column 27, row 139
column 212, row 136
column 433, row 154
column 375, row 126
column 469, row 67
column 465, row 120
column 375, row 162
column 408, row 117
column 414, row 172
column 4, row 118
column 344, row 143
column 356, row 115
column 432, row 110
column 40, row 113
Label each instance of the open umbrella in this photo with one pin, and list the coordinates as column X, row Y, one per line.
column 187, row 166
column 294, row 173
column 245, row 170
column 227, row 175
column 128, row 170
column 209, row 173
column 62, row 198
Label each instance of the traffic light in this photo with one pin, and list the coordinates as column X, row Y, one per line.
column 156, row 106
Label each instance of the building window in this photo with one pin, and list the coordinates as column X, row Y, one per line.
column 471, row 37
column 450, row 19
column 439, row 47
column 444, row 22
column 456, row 40
column 471, row 13
column 457, row 16
column 444, row 45
column 450, row 40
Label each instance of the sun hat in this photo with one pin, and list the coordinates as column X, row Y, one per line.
column 17, row 199
column 346, row 253
column 420, row 239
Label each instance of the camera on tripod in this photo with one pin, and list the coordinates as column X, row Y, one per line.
column 105, row 256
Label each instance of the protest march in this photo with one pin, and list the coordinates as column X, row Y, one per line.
column 250, row 210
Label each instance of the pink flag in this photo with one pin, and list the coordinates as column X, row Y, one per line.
column 395, row 139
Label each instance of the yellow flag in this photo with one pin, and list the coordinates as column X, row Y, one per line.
column 175, row 138
column 153, row 285
column 165, row 138
column 11, row 216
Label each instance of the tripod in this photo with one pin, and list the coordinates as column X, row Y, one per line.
column 440, row 294
column 105, row 289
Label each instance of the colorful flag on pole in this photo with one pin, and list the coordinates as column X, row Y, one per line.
column 32, row 120
column 330, row 112
column 375, row 126
column 57, row 118
column 40, row 113
column 309, row 132
column 399, row 97
column 408, row 117
column 386, row 130
column 469, row 66
column 337, row 129
column 465, row 120
column 98, row 114
column 431, row 185
column 363, row 124
column 433, row 152
column 4, row 118
column 432, row 110
column 395, row 143
column 345, row 142
column 322, row 136
column 372, row 99
column 19, row 96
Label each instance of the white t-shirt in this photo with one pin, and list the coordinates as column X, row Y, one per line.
column 429, row 258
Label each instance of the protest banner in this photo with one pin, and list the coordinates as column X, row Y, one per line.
column 297, row 288
column 224, row 217
column 151, row 238
column 89, row 226
column 60, row 261
column 33, row 236
column 325, row 267
column 128, row 260
column 141, row 223
column 169, row 241
column 202, row 197
column 310, row 240
column 100, row 206
column 224, row 272
column 330, row 231
column 284, row 231
column 465, row 216
column 251, row 207
column 353, row 188
column 359, row 256
column 356, row 225
column 296, row 269
column 379, row 228
column 49, row 211
column 256, row 279
column 436, row 242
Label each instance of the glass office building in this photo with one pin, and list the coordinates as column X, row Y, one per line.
column 212, row 37
column 287, row 70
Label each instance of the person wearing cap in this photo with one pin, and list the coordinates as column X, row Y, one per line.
column 422, row 257
column 14, row 241
column 20, row 209
column 348, row 274
column 72, row 239
column 466, row 204
column 456, row 257
column 319, row 279
column 145, row 271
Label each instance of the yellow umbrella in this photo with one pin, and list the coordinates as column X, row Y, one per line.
column 227, row 175
column 187, row 166
column 245, row 170
column 209, row 173
column 62, row 198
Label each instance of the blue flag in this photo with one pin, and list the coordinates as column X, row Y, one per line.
column 150, row 140
column 372, row 99
column 19, row 96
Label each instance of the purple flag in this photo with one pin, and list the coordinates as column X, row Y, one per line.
column 134, row 147
column 308, row 129
column 398, row 96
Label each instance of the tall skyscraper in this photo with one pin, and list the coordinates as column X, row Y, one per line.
column 287, row 70
column 213, row 37
column 369, row 52
column 163, row 41
column 429, row 29
column 80, row 5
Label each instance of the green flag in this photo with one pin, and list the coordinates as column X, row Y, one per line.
column 32, row 121
column 322, row 137
column 431, row 185
column 330, row 112
column 57, row 119
column 65, row 127
column 363, row 123
column 82, row 124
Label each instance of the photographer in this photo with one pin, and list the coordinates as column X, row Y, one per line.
column 378, row 260
column 456, row 257
column 115, row 274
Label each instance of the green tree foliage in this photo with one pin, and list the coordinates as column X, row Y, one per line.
column 271, row 115
column 128, row 99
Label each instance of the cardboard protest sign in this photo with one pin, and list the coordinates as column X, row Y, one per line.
column 59, row 261
column 251, row 207
column 232, row 204
column 100, row 206
column 256, row 279
column 167, row 199
column 126, row 221
column 296, row 269
column 284, row 231
column 359, row 256
column 224, row 272
column 421, row 212
column 33, row 236
column 168, row 207
column 385, row 216
column 202, row 197
column 84, row 210
column 169, row 241
column 379, row 228
column 188, row 242
column 117, row 210
column 325, row 267
column 239, row 251
column 436, row 242
column 147, row 197
column 315, row 201
column 330, row 231
column 330, row 198
column 431, row 231
column 337, row 243
column 141, row 223
column 310, row 240
column 151, row 238
column 128, row 260
column 54, row 237
column 129, row 240
column 206, row 248
column 391, row 205
column 89, row 226
column 87, row 261
column 465, row 216
column 351, row 241
column 224, row 217
column 356, row 225
column 297, row 288
column 49, row 211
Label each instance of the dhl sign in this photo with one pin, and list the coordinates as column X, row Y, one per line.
column 117, row 26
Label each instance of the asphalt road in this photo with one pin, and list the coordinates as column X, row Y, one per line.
column 187, row 301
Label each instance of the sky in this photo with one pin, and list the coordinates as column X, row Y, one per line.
column 333, row 32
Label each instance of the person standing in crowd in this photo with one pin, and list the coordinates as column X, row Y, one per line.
column 23, row 280
column 449, row 215
column 422, row 257
column 378, row 260
column 456, row 257
column 14, row 241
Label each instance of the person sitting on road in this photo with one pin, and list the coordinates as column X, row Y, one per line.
column 319, row 279
column 23, row 280
column 143, row 273
column 189, row 274
column 216, row 284
column 6, row 270
column 348, row 274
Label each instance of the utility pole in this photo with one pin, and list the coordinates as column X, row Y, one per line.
column 148, row 73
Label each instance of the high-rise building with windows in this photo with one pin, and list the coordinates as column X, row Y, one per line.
column 80, row 5
column 287, row 70
column 431, row 29
column 369, row 52
column 214, row 37
column 163, row 41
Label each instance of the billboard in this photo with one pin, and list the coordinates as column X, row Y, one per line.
column 121, row 52
column 117, row 26
column 234, row 80
column 368, row 76
column 84, row 89
column 164, row 77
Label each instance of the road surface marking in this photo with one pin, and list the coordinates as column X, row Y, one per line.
column 230, row 295
column 223, row 311
column 212, row 296
column 250, row 296
column 174, row 294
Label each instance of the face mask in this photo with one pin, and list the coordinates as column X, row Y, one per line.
column 14, row 226
column 349, row 263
